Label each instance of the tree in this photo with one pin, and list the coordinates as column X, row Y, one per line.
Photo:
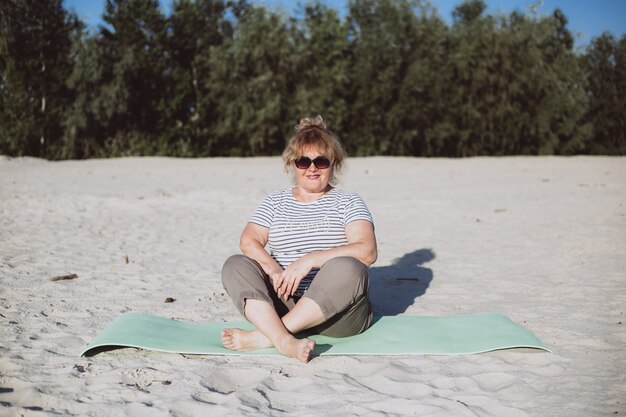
column 35, row 41
column 252, row 79
column 516, row 87
column 419, row 114
column 194, row 29
column 566, row 102
column 383, row 36
column 605, row 64
column 131, row 94
column 468, row 11
column 322, row 59
column 476, row 91
column 84, row 124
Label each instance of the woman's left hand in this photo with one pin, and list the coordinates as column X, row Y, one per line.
column 290, row 278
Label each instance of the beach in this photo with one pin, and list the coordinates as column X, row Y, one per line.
column 539, row 239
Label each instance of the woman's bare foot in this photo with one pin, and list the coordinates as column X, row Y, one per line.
column 299, row 349
column 244, row 340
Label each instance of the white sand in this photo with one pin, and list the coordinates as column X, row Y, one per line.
column 542, row 240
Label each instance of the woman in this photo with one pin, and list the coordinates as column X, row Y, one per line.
column 321, row 242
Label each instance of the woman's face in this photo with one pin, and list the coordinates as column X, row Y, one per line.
column 312, row 179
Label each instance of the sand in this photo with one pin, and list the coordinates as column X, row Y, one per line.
column 542, row 240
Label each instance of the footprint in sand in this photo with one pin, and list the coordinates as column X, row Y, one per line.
column 145, row 378
column 223, row 382
column 228, row 380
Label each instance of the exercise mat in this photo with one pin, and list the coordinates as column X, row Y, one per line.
column 388, row 335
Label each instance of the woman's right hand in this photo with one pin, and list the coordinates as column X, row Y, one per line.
column 287, row 282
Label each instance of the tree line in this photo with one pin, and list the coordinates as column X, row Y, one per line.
column 230, row 78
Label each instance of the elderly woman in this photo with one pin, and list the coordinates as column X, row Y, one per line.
column 321, row 242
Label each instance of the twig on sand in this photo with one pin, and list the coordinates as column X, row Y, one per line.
column 63, row 277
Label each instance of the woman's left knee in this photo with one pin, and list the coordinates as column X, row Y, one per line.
column 347, row 264
column 349, row 269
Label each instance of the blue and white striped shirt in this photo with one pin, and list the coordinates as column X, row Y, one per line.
column 298, row 228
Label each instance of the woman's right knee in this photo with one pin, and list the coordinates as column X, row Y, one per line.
column 232, row 267
column 241, row 269
column 233, row 261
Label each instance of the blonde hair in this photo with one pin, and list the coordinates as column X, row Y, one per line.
column 312, row 131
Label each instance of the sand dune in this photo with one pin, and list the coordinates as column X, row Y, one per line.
column 541, row 240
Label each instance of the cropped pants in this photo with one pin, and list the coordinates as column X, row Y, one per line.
column 339, row 288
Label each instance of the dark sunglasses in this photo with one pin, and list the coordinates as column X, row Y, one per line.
column 321, row 162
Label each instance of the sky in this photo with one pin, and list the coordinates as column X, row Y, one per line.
column 587, row 18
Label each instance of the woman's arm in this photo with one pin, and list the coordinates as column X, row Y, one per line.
column 361, row 245
column 252, row 244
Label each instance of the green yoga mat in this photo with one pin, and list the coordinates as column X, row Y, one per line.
column 389, row 335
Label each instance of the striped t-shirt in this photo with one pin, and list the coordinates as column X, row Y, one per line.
column 298, row 228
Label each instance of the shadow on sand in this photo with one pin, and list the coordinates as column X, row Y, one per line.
column 395, row 287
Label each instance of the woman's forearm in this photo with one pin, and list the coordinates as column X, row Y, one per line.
column 361, row 245
column 253, row 249
column 362, row 251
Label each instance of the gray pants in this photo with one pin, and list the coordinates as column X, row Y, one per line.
column 339, row 288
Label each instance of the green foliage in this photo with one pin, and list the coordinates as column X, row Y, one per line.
column 605, row 62
column 322, row 59
column 252, row 81
column 223, row 77
column 383, row 38
column 133, row 73
column 35, row 41
column 517, row 87
column 468, row 11
column 195, row 31
column 83, row 136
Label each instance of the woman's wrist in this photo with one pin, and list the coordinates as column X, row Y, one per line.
column 315, row 259
column 275, row 272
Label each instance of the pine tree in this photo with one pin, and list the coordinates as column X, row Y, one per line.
column 131, row 90
column 323, row 56
column 84, row 129
column 516, row 86
column 194, row 29
column 383, row 37
column 418, row 117
column 251, row 80
column 605, row 63
column 35, row 43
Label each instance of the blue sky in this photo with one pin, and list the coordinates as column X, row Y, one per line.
column 587, row 18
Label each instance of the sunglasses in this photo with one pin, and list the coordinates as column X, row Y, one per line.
column 321, row 162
